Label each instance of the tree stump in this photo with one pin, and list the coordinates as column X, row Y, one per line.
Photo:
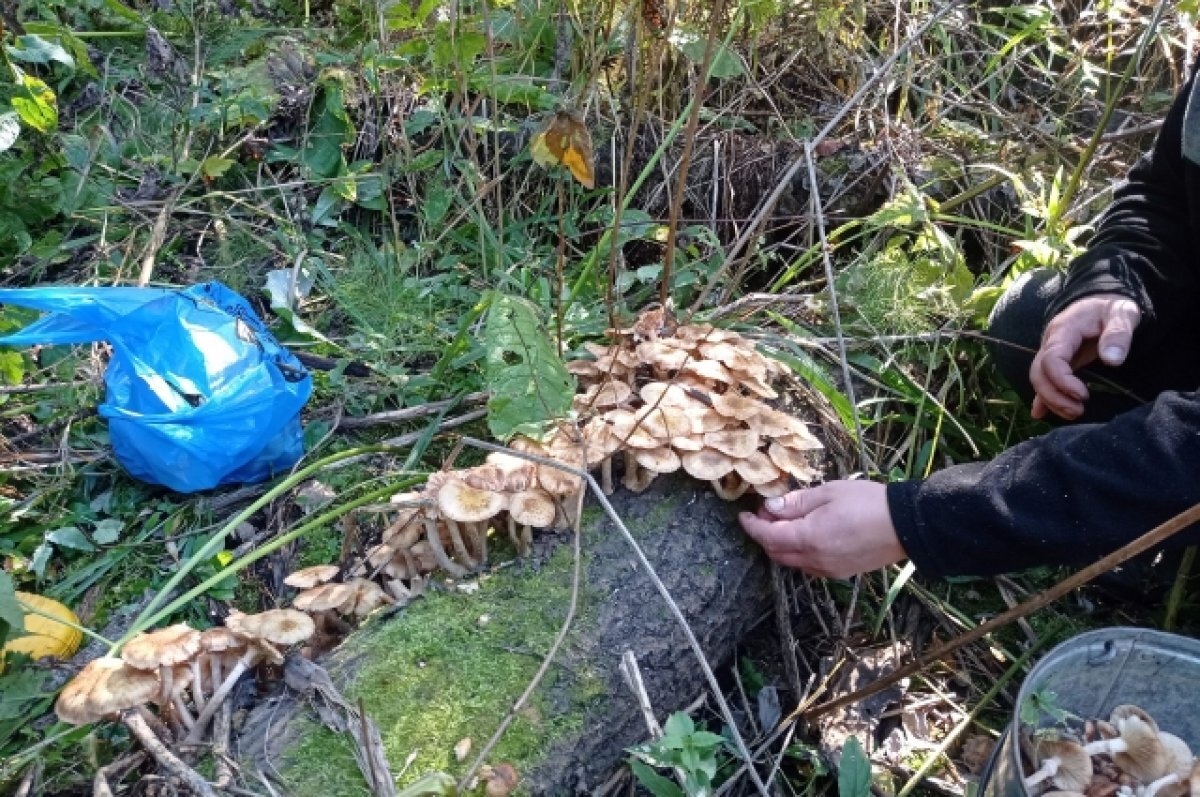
column 451, row 664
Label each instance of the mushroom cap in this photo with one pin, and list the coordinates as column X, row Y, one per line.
column 368, row 596
column 380, row 555
column 658, row 460
column 1130, row 710
column 736, row 443
column 758, row 386
column 691, row 442
column 600, row 441
column 661, row 355
column 219, row 639
column 668, row 394
column 744, row 362
column 557, row 482
column 737, row 406
column 460, row 501
column 612, row 393
column 279, row 626
column 697, row 333
column 533, row 508
column 501, row 472
column 105, row 685
column 776, row 424
column 326, row 596
column 802, row 442
column 707, row 464
column 1074, row 771
column 710, row 371
column 1179, row 755
column 793, row 462
column 709, row 420
column 163, row 647
column 583, row 368
column 631, row 430
column 312, row 576
column 775, row 489
column 1146, row 758
column 665, row 423
column 405, row 497
column 757, row 468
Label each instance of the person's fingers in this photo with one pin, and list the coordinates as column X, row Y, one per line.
column 1050, row 396
column 770, row 534
column 797, row 503
column 1123, row 318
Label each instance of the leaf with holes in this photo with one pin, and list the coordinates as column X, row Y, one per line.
column 10, row 129
column 526, row 377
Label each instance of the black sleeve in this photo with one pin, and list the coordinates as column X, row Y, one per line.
column 1068, row 497
column 1144, row 240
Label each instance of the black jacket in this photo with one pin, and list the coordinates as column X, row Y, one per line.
column 1082, row 491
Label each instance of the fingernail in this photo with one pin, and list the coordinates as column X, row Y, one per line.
column 774, row 504
column 1114, row 354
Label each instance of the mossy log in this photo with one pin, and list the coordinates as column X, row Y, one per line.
column 451, row 664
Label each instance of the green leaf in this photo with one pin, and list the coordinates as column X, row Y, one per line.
column 725, row 64
column 854, row 770
column 213, row 167
column 526, row 377
column 328, row 206
column 12, row 367
column 36, row 50
column 10, row 129
column 125, row 12
column 437, row 202
column 37, row 108
column 108, row 531
column 12, row 619
column 655, row 783
column 678, row 725
column 18, row 689
column 70, row 537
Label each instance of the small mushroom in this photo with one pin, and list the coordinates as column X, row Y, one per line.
column 1176, row 780
column 104, row 687
column 531, row 508
column 262, row 632
column 737, row 407
column 218, row 646
column 1137, row 749
column 161, row 650
column 757, row 469
column 323, row 601
column 1064, row 762
column 734, row 443
column 792, row 461
column 366, row 597
column 730, row 487
column 460, row 502
column 636, row 477
column 310, row 577
column 706, row 465
column 657, row 460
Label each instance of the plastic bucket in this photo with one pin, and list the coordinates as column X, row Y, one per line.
column 1091, row 674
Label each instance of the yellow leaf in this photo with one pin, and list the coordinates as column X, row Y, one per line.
column 566, row 140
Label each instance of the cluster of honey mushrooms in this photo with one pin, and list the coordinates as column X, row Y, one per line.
column 685, row 397
column 1125, row 756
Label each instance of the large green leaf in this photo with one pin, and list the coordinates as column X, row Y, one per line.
column 526, row 377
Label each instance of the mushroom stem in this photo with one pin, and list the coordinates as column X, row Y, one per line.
column 513, row 535
column 214, row 666
column 460, row 547
column 182, row 710
column 1049, row 769
column 730, row 493
column 439, row 553
column 165, row 758
column 479, row 538
column 606, row 477
column 1165, row 780
column 1106, row 746
column 244, row 663
column 197, row 684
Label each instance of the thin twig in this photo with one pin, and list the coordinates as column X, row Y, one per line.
column 163, row 755
column 412, row 413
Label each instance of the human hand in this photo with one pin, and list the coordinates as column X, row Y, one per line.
column 1094, row 326
column 835, row 530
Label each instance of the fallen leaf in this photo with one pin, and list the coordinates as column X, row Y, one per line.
column 566, row 141
column 462, row 748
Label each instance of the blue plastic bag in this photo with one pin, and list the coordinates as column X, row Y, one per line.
column 199, row 393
